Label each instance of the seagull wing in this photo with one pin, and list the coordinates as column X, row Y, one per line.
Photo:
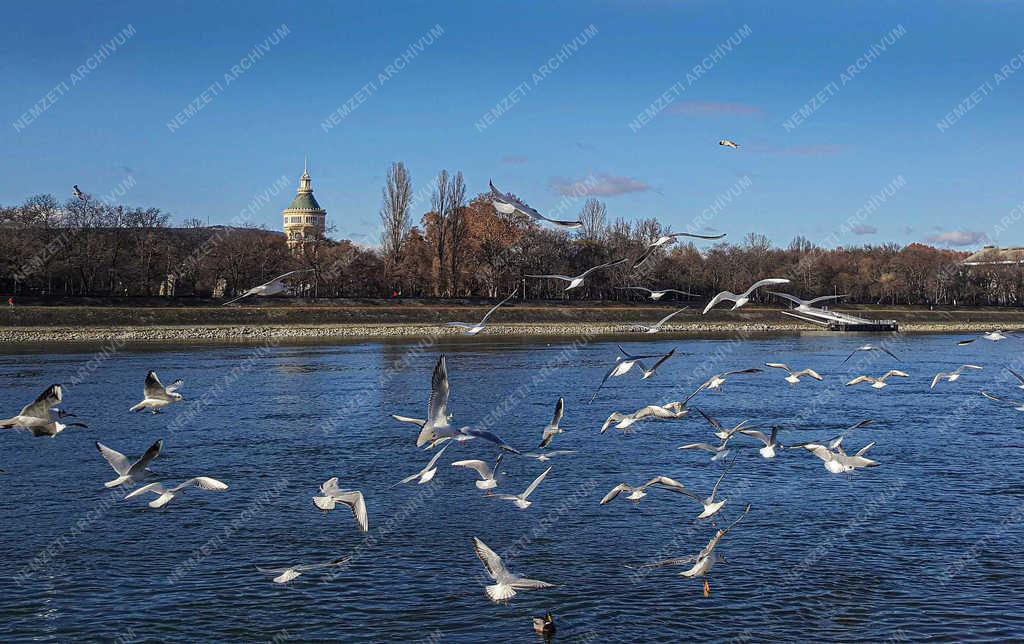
column 614, row 492
column 755, row 434
column 533, row 486
column 741, row 371
column 488, row 436
column 712, row 421
column 765, row 282
column 523, row 583
column 155, row 488
column 554, row 277
column 791, row 298
column 824, row 298
column 695, row 235
column 175, row 386
column 437, row 404
column 354, row 500
column 965, row 342
column 939, row 376
column 860, row 379
column 724, row 295
column 810, row 373
column 662, row 359
column 881, row 348
column 644, row 256
column 701, row 446
column 406, row 419
column 559, row 411
column 40, row 407
column 669, row 317
column 1016, row 375
column 203, row 483
column 778, row 365
column 116, row 459
column 679, row 561
column 634, row 288
column 154, row 388
column 433, row 461
column 481, row 468
column 605, row 265
column 490, row 559
column 140, row 465
column 675, row 290
column 495, row 307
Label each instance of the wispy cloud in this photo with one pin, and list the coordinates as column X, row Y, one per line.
column 820, row 150
column 863, row 229
column 703, row 108
column 601, row 185
column 958, row 238
column 515, row 159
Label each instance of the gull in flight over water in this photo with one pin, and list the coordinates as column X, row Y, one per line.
column 794, row 376
column 553, row 429
column 954, row 375
column 869, row 347
column 728, row 144
column 718, row 452
column 836, row 460
column 837, row 440
column 1016, row 404
column 770, row 442
column 284, row 575
column 744, row 297
column 273, row 287
column 638, row 493
column 128, row 472
column 806, row 305
column 505, row 583
column 994, row 336
column 544, row 457
column 427, row 473
column 488, row 475
column 721, row 433
column 716, row 381
column 655, row 295
column 623, row 365
column 473, row 329
column 704, row 560
column 576, row 281
column 654, row 328
column 42, row 416
column 164, row 495
column 648, row 373
column 1020, row 378
column 663, row 412
column 506, row 203
column 661, row 241
column 155, row 396
column 711, row 506
column 331, row 495
column 879, row 382
column 521, row 500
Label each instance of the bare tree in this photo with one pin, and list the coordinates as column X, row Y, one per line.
column 458, row 227
column 396, row 196
column 593, row 216
column 440, row 204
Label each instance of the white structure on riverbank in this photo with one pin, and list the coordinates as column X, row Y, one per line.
column 304, row 220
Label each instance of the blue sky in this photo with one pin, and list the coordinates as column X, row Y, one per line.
column 876, row 127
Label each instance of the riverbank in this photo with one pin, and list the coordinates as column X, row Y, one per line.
column 301, row 322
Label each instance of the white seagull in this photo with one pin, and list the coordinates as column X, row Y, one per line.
column 164, row 495
column 718, row 452
column 721, row 433
column 663, row 412
column 879, row 382
column 716, row 381
column 505, row 583
column 838, row 462
column 429, row 470
column 544, row 457
column 1016, row 404
column 994, row 336
column 869, row 347
column 1020, row 378
column 42, row 416
column 728, row 144
column 521, row 500
column 473, row 329
column 155, row 396
column 794, row 376
column 655, row 295
column 806, row 305
column 744, row 297
column 638, row 493
column 770, row 442
column 488, row 475
column 654, row 328
column 273, row 287
column 648, row 373
column 506, row 203
column 284, row 575
column 711, row 506
column 576, row 281
column 331, row 495
column 128, row 472
column 661, row 241
column 623, row 365
column 954, row 375
column 553, row 429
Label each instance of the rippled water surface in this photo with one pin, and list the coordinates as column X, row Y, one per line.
column 928, row 545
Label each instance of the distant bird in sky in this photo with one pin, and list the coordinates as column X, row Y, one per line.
column 728, row 144
column 79, row 194
column 42, row 416
column 273, row 287
column 663, row 240
column 655, row 295
column 488, row 475
column 744, row 297
column 331, row 495
column 638, row 493
column 869, row 347
column 429, row 470
column 1016, row 404
column 806, row 305
column 506, row 203
column 879, row 382
column 284, row 575
column 576, row 281
column 473, row 329
column 993, row 336
column 127, row 471
column 522, row 500
column 552, row 428
column 656, row 327
column 155, row 396
column 794, row 376
column 164, row 495
column 505, row 583
column 954, row 375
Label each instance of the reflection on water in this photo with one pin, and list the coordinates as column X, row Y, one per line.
column 926, row 545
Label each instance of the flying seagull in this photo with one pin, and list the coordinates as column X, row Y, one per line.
column 869, row 347
column 1020, row 378
column 623, row 365
column 661, row 241
column 273, row 287
column 879, row 382
column 546, row 456
column 721, row 433
column 331, row 495
column 521, row 500
column 1017, row 405
column 728, row 144
column 837, row 440
column 836, row 460
column 655, row 295
column 954, row 375
column 638, row 493
column 427, row 473
column 994, row 336
column 648, row 373
column 718, row 452
column 624, row 421
column 164, row 495
column 155, row 396
column 506, row 203
column 42, row 416
column 576, row 281
column 284, row 575
column 744, row 297
column 794, row 376
column 505, row 583
column 770, row 442
column 488, row 475
column 806, row 305
column 553, row 429
column 711, row 506
column 654, row 328
column 716, row 381
column 79, row 194
column 128, row 472
column 473, row 329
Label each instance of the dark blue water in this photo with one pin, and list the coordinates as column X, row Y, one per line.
column 928, row 545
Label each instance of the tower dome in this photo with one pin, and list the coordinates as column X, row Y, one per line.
column 304, row 219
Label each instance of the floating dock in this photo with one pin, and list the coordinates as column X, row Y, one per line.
column 842, row 322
